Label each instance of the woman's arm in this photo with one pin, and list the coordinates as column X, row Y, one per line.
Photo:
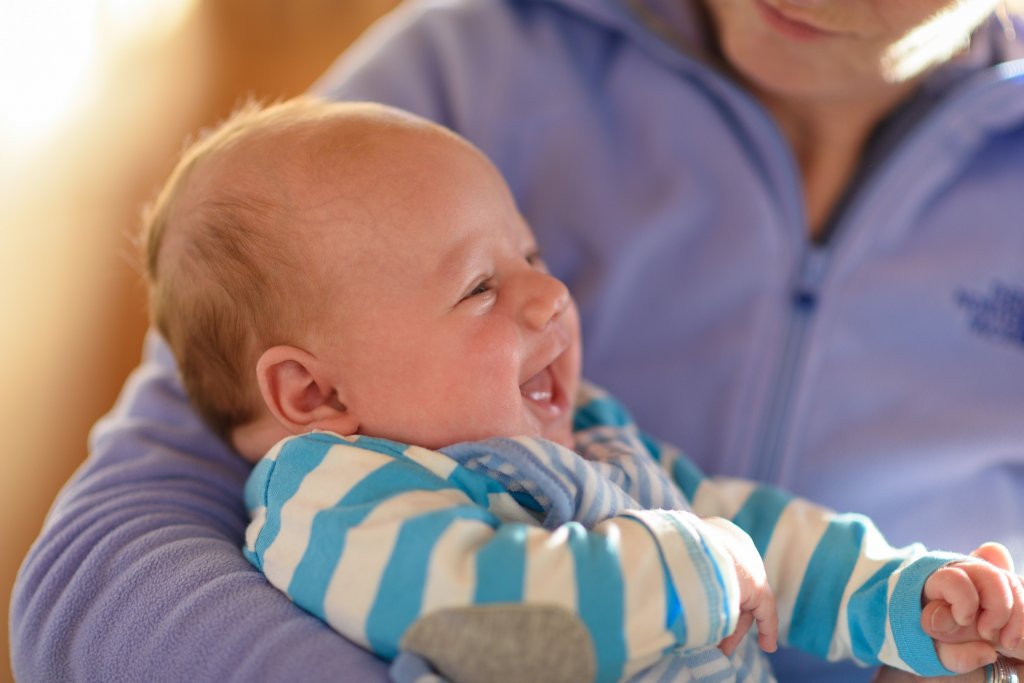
column 138, row 575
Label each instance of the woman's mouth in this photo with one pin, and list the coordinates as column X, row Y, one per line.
column 787, row 26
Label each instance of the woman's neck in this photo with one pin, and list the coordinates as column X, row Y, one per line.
column 828, row 139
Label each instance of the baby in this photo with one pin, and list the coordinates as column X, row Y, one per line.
column 357, row 306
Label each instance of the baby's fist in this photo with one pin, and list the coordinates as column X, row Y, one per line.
column 974, row 609
column 757, row 602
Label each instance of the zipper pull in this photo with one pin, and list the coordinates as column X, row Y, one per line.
column 808, row 279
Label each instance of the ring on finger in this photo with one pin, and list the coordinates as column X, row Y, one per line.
column 1001, row 671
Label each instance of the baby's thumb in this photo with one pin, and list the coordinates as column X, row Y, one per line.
column 938, row 623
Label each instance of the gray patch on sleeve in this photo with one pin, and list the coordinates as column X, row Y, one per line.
column 506, row 643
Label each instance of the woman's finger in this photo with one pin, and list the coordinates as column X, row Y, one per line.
column 995, row 553
column 965, row 657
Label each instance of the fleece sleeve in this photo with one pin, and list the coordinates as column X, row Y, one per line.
column 843, row 592
column 138, row 575
column 377, row 538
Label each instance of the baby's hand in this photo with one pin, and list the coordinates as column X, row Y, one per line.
column 757, row 602
column 975, row 609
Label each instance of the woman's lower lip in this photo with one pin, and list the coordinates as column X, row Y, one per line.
column 786, row 26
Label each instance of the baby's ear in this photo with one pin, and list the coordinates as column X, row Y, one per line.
column 299, row 390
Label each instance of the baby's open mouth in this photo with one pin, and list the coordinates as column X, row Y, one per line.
column 540, row 387
column 545, row 395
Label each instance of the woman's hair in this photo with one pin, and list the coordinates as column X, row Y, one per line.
column 211, row 255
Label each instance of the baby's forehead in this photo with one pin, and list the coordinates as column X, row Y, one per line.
column 338, row 174
column 375, row 142
column 348, row 148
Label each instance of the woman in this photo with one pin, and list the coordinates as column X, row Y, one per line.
column 793, row 230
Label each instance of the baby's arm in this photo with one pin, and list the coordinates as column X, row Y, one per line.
column 842, row 591
column 975, row 609
column 386, row 543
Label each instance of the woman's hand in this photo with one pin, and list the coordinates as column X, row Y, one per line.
column 887, row 675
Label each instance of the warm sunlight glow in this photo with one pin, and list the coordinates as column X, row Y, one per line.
column 132, row 21
column 936, row 40
column 47, row 65
column 51, row 52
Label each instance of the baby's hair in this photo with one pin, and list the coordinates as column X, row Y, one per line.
column 229, row 274
column 207, row 263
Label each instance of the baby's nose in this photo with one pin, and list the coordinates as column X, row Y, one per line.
column 545, row 299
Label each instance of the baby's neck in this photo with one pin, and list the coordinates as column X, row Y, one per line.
column 253, row 439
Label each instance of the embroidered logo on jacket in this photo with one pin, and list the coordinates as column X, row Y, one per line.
column 998, row 313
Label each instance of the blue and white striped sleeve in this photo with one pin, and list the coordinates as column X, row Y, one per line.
column 371, row 536
column 843, row 592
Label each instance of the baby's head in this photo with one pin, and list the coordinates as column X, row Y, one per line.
column 356, row 269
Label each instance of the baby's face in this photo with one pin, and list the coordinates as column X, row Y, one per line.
column 444, row 325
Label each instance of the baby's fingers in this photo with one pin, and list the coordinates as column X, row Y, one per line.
column 767, row 618
column 1011, row 638
column 963, row 657
column 996, row 594
column 1012, row 633
column 953, row 585
column 976, row 589
column 728, row 646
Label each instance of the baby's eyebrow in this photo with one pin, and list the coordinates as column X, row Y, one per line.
column 457, row 262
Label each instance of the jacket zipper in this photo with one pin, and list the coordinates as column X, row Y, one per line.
column 775, row 423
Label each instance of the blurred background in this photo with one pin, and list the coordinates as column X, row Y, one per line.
column 96, row 100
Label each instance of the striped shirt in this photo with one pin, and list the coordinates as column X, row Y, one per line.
column 374, row 537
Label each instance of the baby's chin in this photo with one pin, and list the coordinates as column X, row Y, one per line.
column 563, row 436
